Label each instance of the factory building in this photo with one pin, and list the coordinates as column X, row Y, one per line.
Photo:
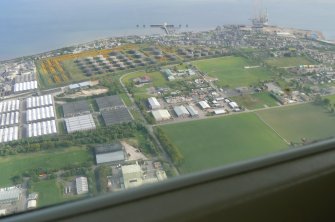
column 40, row 114
column 109, row 103
column 39, row 101
column 9, row 134
column 181, row 111
column 76, row 109
column 41, row 128
column 9, row 106
column 219, row 111
column 161, row 115
column 9, row 119
column 116, row 116
column 109, row 153
column 132, row 175
column 192, row 111
column 81, row 185
column 25, row 86
column 153, row 103
column 80, row 123
column 10, row 195
column 204, row 105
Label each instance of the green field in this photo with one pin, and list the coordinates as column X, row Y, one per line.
column 219, row 141
column 75, row 73
column 231, row 71
column 17, row 164
column 256, row 101
column 301, row 121
column 289, row 61
column 49, row 192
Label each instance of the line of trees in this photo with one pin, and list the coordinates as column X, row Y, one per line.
column 173, row 151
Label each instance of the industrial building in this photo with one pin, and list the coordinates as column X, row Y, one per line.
column 204, row 105
column 10, row 195
column 181, row 111
column 233, row 105
column 25, row 86
column 9, row 106
column 109, row 102
column 81, row 185
column 76, row 109
column 9, row 134
column 109, row 153
column 161, row 115
column 40, row 114
column 39, row 101
column 132, row 175
column 32, row 204
column 219, row 111
column 41, row 128
column 153, row 103
column 192, row 111
column 116, row 116
column 80, row 123
column 9, row 119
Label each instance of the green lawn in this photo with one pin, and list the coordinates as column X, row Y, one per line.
column 49, row 192
column 301, row 121
column 17, row 164
column 256, row 101
column 231, row 71
column 289, row 61
column 75, row 73
column 219, row 141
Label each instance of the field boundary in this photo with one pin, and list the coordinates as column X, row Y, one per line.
column 257, row 114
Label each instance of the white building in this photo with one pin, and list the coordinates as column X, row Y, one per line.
column 181, row 111
column 161, row 115
column 132, row 175
column 204, row 105
column 153, row 103
column 220, row 111
column 233, row 105
column 81, row 185
column 192, row 111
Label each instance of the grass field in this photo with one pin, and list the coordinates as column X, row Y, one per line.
column 215, row 142
column 231, row 71
column 289, row 61
column 48, row 191
column 301, row 121
column 15, row 165
column 256, row 101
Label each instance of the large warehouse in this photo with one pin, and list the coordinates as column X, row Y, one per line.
column 109, row 102
column 40, row 113
column 116, row 116
column 25, row 86
column 81, row 185
column 10, row 195
column 41, row 128
column 109, row 153
column 38, row 101
column 181, row 111
column 9, row 119
column 161, row 115
column 9, row 106
column 76, row 109
column 153, row 103
column 9, row 134
column 80, row 123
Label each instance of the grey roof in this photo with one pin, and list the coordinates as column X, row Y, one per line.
column 116, row 116
column 75, row 108
column 107, row 148
column 80, row 123
column 9, row 194
column 110, row 157
column 109, row 102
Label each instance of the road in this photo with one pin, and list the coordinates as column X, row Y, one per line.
column 147, row 125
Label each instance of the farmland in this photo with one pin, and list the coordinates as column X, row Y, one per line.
column 52, row 159
column 215, row 142
column 306, row 121
column 231, row 71
column 289, row 61
column 256, row 101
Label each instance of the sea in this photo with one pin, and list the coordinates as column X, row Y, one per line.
column 29, row 27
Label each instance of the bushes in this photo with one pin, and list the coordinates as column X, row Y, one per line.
column 173, row 151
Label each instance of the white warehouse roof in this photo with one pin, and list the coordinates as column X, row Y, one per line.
column 220, row 111
column 181, row 111
column 81, row 185
column 192, row 111
column 233, row 105
column 204, row 105
column 153, row 102
column 161, row 115
column 80, row 123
